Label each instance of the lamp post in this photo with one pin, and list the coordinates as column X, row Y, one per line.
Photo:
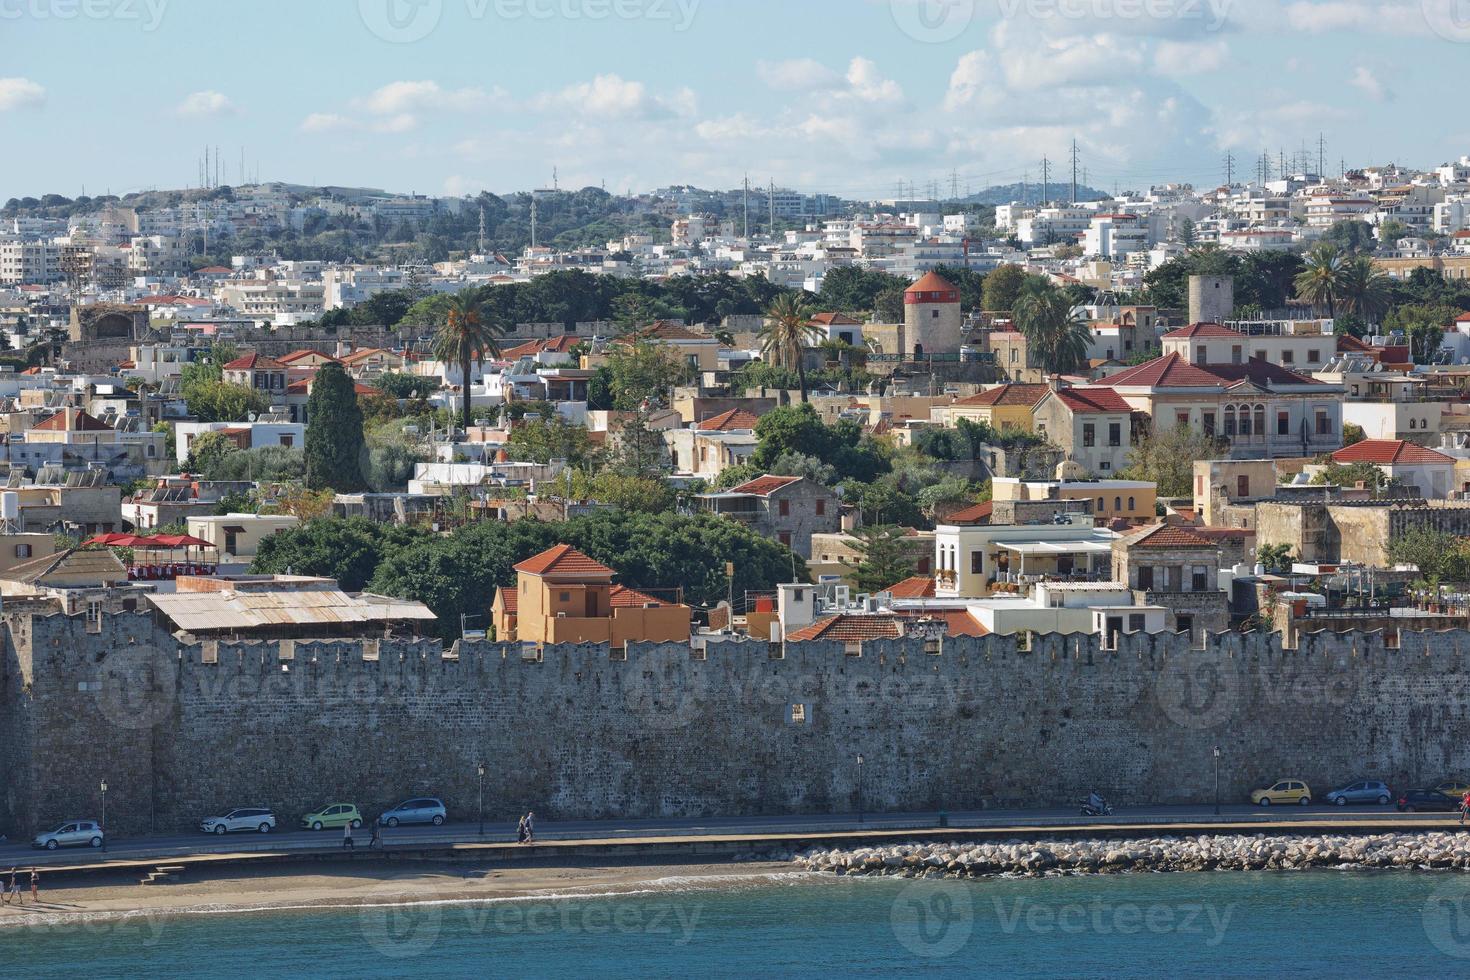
column 104, row 815
column 481, row 771
column 860, row 787
column 1217, row 780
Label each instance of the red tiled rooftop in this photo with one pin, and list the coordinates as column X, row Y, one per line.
column 563, row 559
column 1169, row 536
column 510, row 598
column 1204, row 330
column 621, row 595
column 835, row 320
column 980, row 513
column 917, row 587
column 850, row 628
column 764, row 485
column 1008, row 394
column 1390, row 452
column 736, row 419
column 550, row 345
column 1093, row 400
column 1173, row 371
column 255, row 362
column 83, row 423
column 933, row 282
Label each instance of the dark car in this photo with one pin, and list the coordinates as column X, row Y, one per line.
column 1427, row 800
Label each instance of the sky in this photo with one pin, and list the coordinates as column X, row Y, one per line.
column 850, row 97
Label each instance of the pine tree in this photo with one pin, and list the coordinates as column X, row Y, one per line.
column 334, row 442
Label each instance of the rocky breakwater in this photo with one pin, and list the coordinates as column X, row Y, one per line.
column 1257, row 852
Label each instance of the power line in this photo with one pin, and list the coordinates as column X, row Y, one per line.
column 1074, row 171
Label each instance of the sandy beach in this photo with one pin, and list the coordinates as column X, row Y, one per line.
column 318, row 885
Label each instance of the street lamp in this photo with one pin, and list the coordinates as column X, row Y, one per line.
column 1217, row 780
column 860, row 787
column 481, row 770
column 104, row 815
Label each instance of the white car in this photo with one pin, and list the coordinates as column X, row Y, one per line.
column 256, row 818
column 77, row 833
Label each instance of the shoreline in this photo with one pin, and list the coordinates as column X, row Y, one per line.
column 326, row 887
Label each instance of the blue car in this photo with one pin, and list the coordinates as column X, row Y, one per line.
column 421, row 809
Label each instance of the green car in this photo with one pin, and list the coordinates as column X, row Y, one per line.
column 332, row 815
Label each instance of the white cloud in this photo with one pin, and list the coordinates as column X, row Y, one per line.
column 868, row 84
column 612, row 96
column 1367, row 16
column 206, row 104
column 1179, row 58
column 1366, row 82
column 1094, row 60
column 17, row 93
column 798, row 73
column 397, row 98
column 325, row 122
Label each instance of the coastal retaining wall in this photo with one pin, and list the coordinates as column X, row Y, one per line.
column 179, row 731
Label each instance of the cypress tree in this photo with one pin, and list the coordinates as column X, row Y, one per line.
column 334, row 442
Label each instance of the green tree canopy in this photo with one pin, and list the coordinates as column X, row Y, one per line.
column 334, row 439
column 1167, row 458
column 885, row 557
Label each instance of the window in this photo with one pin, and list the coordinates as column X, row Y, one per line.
column 1135, row 622
column 566, row 597
column 1324, row 423
column 1230, row 420
column 1115, row 434
column 1242, row 486
column 934, row 315
column 785, row 538
column 1209, row 423
column 1013, row 355
column 784, row 507
column 1260, row 420
column 1184, row 624
column 22, row 551
column 1199, row 354
column 1089, row 434
column 798, row 714
column 1314, row 356
column 977, row 562
column 1181, row 419
column 1245, row 420
column 1145, row 576
column 288, row 441
column 821, row 508
column 1235, row 354
column 1283, row 424
column 1199, row 580
column 1132, row 503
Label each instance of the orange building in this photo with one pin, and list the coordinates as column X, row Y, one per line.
column 563, row 596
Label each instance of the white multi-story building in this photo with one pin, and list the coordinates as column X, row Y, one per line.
column 1115, row 235
column 29, row 262
column 1055, row 226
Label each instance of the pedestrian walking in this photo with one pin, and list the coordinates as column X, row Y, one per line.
column 15, row 892
column 1464, row 806
column 35, row 886
column 5, row 890
column 377, row 838
column 521, row 831
column 530, row 827
column 347, row 836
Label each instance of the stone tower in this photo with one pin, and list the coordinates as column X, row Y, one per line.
column 933, row 322
column 1211, row 298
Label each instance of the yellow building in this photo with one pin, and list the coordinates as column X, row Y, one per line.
column 1007, row 406
column 1130, row 500
column 563, row 596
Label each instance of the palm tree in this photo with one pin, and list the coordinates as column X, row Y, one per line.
column 1054, row 334
column 789, row 330
column 465, row 337
column 1365, row 288
column 1320, row 282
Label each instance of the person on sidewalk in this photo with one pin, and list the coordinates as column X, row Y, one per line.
column 530, row 827
column 377, row 838
column 15, row 891
column 347, row 836
column 6, row 890
column 35, row 886
column 1464, row 806
column 521, row 831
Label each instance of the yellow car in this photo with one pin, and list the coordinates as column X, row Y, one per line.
column 336, row 815
column 1453, row 787
column 1283, row 791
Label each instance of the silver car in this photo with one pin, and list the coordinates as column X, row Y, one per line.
column 1362, row 791
column 421, row 809
column 256, row 818
column 77, row 833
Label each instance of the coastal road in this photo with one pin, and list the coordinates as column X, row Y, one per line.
column 1156, row 818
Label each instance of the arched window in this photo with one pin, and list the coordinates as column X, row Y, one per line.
column 1229, row 420
column 1131, row 504
column 1117, row 503
column 1245, row 420
column 1261, row 420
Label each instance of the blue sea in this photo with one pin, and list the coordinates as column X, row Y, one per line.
column 1308, row 924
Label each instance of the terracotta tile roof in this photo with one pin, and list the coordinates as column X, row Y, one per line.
column 1173, row 371
column 836, row 320
column 1168, row 536
column 850, row 627
column 978, row 514
column 763, row 486
column 255, row 362
column 1091, row 401
column 933, row 282
column 365, row 353
column 550, row 345
column 562, row 559
column 298, row 355
column 1348, row 343
column 1008, row 394
column 733, row 420
column 1203, row 330
column 510, row 597
column 918, row 587
column 1390, row 452
column 212, row 270
column 959, row 622
column 621, row 595
column 82, row 423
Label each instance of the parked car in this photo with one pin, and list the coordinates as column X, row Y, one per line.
column 77, row 833
column 1283, row 791
column 422, row 809
column 257, row 818
column 1362, row 791
column 336, row 815
column 1452, row 787
column 1428, row 800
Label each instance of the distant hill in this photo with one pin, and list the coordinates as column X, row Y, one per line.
column 1030, row 193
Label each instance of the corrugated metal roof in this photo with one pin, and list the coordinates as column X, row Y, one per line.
column 200, row 611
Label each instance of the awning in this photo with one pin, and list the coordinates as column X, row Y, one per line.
column 1056, row 547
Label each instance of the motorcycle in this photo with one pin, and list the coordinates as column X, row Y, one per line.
column 1088, row 810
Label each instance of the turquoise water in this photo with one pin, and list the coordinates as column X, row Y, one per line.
column 1162, row 925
